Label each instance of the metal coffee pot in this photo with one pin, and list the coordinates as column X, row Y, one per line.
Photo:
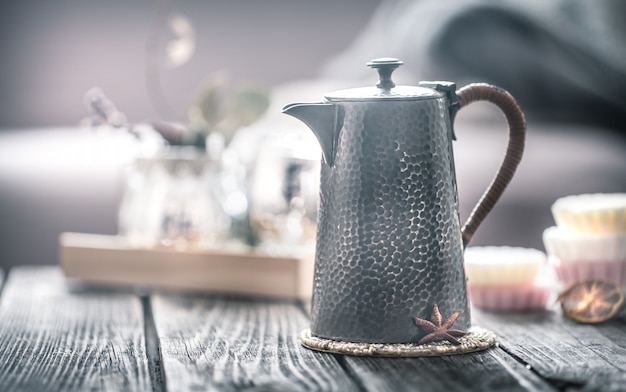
column 389, row 239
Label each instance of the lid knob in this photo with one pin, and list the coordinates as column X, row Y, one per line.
column 385, row 66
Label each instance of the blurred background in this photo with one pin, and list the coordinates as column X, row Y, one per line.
column 564, row 61
column 54, row 178
column 53, row 52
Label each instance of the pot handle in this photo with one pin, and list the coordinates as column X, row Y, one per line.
column 517, row 134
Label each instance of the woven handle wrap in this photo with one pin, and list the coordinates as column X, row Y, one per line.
column 517, row 134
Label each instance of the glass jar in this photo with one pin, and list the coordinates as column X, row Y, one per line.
column 174, row 200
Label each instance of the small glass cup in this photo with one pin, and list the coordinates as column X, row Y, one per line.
column 284, row 193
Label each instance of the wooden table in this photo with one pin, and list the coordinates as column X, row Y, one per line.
column 59, row 336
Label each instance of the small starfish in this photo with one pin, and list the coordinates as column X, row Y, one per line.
column 436, row 329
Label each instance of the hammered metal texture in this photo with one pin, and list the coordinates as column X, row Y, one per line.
column 388, row 239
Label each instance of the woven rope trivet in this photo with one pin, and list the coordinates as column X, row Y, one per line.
column 476, row 339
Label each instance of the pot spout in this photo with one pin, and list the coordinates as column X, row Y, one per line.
column 324, row 119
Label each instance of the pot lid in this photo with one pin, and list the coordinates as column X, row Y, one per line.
column 385, row 89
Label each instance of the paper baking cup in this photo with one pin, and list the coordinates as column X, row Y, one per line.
column 567, row 246
column 591, row 213
column 502, row 265
column 523, row 298
column 571, row 272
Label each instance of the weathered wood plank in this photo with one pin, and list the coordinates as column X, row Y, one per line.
column 214, row 343
column 566, row 353
column 490, row 370
column 54, row 339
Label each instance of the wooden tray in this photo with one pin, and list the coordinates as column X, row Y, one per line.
column 111, row 260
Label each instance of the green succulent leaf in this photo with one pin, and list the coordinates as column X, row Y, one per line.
column 212, row 100
column 224, row 109
column 249, row 104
